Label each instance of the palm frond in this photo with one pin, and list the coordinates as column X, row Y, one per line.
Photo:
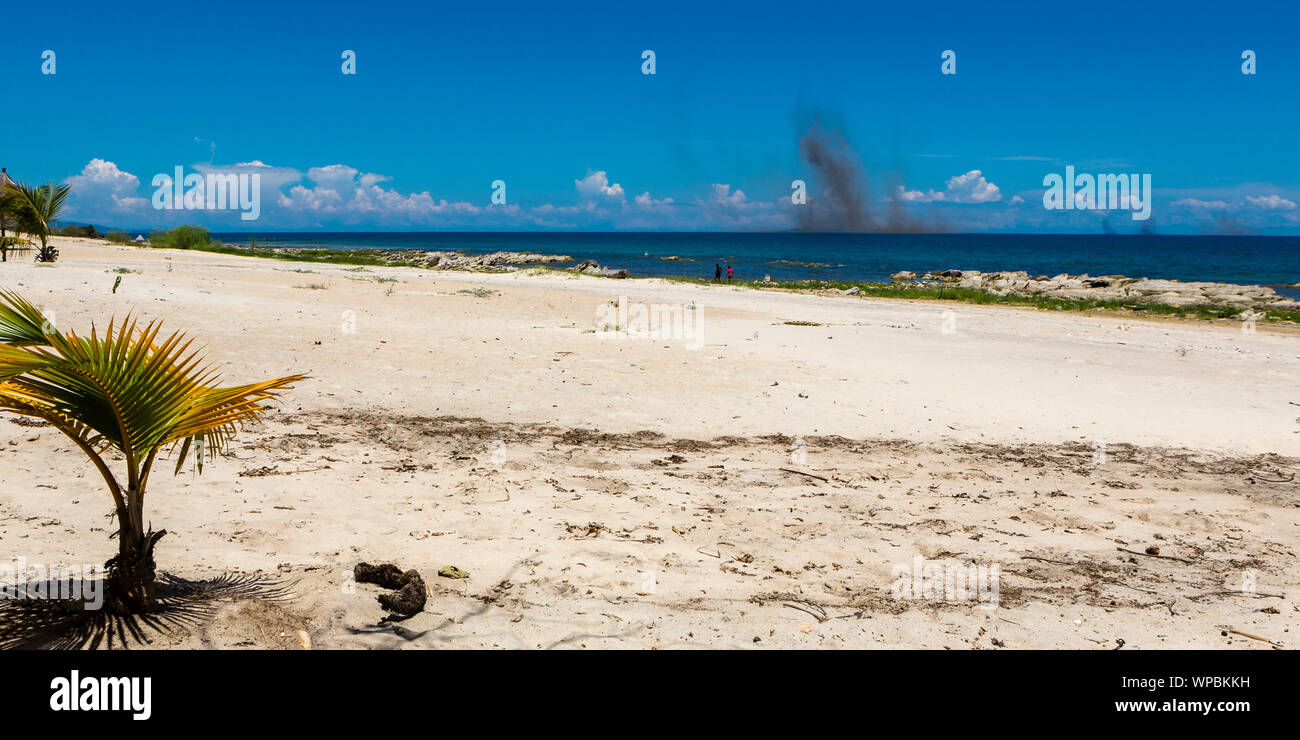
column 134, row 391
column 21, row 323
column 37, row 207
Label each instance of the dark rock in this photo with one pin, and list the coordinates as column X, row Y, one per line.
column 410, row 599
column 591, row 267
column 409, row 594
column 384, row 576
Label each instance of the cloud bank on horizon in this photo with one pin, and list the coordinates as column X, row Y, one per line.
column 341, row 197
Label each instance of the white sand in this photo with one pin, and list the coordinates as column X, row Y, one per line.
column 976, row 445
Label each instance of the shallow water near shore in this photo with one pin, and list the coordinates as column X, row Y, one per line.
column 1273, row 261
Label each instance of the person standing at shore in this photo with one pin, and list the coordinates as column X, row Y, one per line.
column 729, row 273
column 717, row 272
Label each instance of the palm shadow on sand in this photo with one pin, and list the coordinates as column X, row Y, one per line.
column 53, row 624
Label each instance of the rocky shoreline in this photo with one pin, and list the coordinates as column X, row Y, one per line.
column 494, row 262
column 591, row 267
column 1105, row 288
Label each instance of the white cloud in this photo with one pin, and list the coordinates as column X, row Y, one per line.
column 343, row 193
column 645, row 201
column 596, row 184
column 1249, row 202
column 1197, row 203
column 334, row 174
column 723, row 196
column 971, row 187
column 1271, row 203
column 912, row 196
column 101, row 187
column 272, row 178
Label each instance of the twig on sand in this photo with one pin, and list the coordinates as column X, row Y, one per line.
column 1255, row 595
column 264, row 471
column 1045, row 560
column 304, row 470
column 819, row 617
column 1149, row 555
column 810, row 475
column 1276, row 645
column 1255, row 478
column 714, row 554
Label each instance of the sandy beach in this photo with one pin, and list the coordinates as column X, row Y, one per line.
column 761, row 483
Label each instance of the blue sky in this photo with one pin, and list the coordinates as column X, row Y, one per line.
column 550, row 98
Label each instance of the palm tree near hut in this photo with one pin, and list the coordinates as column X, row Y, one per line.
column 36, row 210
column 127, row 390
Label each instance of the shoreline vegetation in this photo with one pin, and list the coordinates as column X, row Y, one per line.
column 959, row 286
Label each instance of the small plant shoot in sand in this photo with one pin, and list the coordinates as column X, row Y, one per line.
column 129, row 391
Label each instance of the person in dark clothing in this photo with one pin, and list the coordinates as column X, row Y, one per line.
column 717, row 273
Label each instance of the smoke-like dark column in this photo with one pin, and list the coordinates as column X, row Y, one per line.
column 841, row 193
column 843, row 185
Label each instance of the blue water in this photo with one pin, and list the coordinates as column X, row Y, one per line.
column 1260, row 260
